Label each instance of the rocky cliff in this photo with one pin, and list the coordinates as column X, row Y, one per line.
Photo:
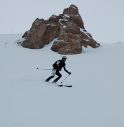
column 66, row 31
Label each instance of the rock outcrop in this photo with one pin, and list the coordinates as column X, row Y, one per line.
column 66, row 31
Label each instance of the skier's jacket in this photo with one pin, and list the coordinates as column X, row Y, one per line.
column 59, row 64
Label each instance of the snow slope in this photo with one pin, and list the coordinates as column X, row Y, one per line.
column 95, row 100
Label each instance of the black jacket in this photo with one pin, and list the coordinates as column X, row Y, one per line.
column 59, row 64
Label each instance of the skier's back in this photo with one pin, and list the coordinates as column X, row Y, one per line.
column 57, row 66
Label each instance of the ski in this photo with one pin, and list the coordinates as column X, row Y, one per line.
column 59, row 85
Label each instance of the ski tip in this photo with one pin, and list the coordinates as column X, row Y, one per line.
column 69, row 86
column 65, row 86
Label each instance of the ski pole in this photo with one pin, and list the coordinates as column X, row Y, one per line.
column 43, row 68
column 65, row 78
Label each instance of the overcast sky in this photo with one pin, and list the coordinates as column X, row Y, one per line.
column 104, row 19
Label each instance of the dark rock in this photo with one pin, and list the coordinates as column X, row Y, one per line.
column 67, row 30
column 69, row 45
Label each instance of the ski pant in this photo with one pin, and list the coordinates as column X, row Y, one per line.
column 54, row 72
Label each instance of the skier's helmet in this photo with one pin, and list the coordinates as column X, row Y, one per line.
column 64, row 57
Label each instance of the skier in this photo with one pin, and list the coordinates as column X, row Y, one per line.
column 57, row 66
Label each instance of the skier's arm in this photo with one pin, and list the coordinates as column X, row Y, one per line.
column 66, row 70
column 56, row 65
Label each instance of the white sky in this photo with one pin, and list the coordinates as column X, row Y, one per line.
column 103, row 18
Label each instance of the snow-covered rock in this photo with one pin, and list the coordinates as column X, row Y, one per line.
column 68, row 27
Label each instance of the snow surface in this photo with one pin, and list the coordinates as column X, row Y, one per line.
column 95, row 100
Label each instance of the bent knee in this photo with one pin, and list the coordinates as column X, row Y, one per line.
column 60, row 75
